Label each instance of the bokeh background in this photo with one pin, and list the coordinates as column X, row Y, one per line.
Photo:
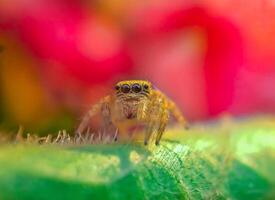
column 57, row 57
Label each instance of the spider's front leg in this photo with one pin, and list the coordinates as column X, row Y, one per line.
column 101, row 107
column 157, row 118
column 164, row 116
column 148, row 132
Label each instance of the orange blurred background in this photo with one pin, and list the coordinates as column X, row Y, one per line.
column 60, row 56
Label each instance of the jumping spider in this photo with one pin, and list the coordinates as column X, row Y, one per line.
column 134, row 103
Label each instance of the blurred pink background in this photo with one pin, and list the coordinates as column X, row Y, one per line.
column 60, row 56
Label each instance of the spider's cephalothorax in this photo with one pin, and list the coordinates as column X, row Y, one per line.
column 130, row 95
column 135, row 103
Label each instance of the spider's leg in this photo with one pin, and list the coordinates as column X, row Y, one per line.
column 116, row 135
column 107, row 125
column 84, row 123
column 153, row 115
column 162, row 124
column 148, row 132
column 175, row 111
column 92, row 112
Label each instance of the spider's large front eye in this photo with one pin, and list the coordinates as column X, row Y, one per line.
column 125, row 88
column 136, row 88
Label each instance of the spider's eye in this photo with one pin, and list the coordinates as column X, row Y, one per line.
column 125, row 88
column 136, row 88
column 116, row 87
column 145, row 86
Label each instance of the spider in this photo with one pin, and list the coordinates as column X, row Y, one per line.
column 134, row 103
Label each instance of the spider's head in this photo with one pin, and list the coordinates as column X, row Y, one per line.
column 133, row 90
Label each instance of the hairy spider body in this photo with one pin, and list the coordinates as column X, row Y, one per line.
column 135, row 103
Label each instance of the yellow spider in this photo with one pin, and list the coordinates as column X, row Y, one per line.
column 134, row 103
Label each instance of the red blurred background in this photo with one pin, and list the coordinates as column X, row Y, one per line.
column 59, row 56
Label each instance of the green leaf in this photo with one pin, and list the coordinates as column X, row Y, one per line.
column 222, row 162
